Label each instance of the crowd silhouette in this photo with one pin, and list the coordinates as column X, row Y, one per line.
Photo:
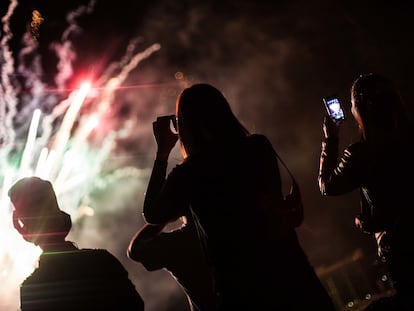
column 237, row 247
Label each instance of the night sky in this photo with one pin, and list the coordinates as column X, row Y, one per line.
column 274, row 61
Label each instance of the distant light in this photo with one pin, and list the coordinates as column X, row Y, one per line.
column 368, row 296
column 384, row 278
column 86, row 86
column 350, row 304
column 179, row 75
column 93, row 122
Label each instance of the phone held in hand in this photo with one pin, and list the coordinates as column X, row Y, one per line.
column 334, row 108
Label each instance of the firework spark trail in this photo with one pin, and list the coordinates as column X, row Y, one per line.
column 30, row 69
column 129, row 52
column 33, row 73
column 66, row 55
column 129, row 64
column 27, row 155
column 63, row 135
column 7, row 94
column 89, row 121
column 48, row 120
column 73, row 15
column 64, row 51
column 86, row 168
column 135, row 60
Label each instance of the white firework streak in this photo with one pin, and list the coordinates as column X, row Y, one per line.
column 7, row 94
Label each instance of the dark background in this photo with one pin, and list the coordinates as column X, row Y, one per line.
column 274, row 60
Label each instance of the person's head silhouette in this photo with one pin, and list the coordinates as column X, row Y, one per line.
column 37, row 216
column 205, row 119
column 376, row 105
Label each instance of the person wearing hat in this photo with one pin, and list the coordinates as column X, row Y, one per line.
column 67, row 278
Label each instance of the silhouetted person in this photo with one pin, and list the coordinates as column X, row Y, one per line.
column 180, row 253
column 379, row 165
column 231, row 181
column 67, row 278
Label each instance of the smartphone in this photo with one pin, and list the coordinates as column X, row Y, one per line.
column 334, row 107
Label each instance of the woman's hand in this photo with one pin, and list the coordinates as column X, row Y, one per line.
column 164, row 137
column 331, row 127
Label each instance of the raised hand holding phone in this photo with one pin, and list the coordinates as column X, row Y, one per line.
column 334, row 108
column 335, row 116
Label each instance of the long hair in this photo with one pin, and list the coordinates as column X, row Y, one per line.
column 205, row 119
column 377, row 106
